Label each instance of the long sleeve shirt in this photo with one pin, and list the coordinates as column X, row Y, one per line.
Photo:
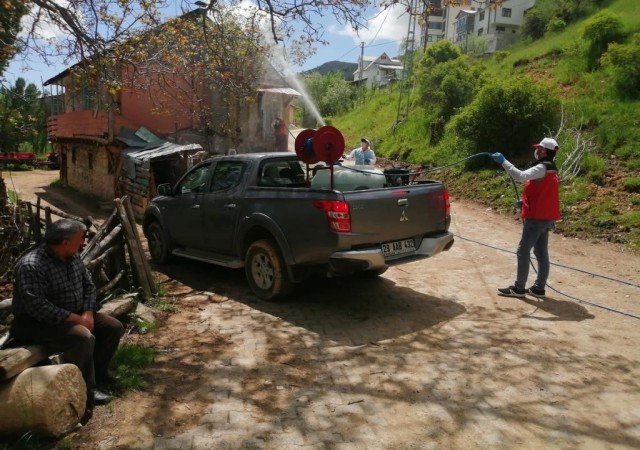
column 362, row 157
column 534, row 173
column 48, row 289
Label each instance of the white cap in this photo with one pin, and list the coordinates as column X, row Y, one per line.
column 549, row 144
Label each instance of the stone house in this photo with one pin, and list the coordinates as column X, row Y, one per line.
column 91, row 130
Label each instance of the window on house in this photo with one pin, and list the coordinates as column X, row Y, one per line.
column 481, row 16
column 73, row 155
column 480, row 31
column 88, row 97
column 435, row 25
column 506, row 12
column 500, row 29
column 90, row 160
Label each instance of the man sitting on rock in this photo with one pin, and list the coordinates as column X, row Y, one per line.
column 54, row 304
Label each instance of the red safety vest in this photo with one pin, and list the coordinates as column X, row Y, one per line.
column 541, row 198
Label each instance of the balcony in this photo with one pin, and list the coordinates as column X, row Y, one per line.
column 85, row 125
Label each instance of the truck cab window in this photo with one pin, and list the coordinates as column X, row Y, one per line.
column 195, row 180
column 226, row 174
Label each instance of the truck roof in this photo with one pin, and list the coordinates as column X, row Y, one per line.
column 252, row 156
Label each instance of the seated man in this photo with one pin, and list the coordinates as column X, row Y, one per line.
column 54, row 304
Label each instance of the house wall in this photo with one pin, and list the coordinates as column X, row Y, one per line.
column 87, row 169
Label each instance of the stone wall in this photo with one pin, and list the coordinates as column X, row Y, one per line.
column 88, row 170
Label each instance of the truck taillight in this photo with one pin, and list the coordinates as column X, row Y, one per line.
column 447, row 204
column 337, row 213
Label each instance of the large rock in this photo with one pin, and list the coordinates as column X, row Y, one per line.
column 48, row 400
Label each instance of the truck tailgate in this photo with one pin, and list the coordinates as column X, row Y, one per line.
column 391, row 214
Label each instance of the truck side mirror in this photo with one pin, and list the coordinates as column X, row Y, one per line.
column 165, row 189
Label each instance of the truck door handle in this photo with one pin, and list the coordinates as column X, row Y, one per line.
column 195, row 206
column 403, row 202
column 230, row 206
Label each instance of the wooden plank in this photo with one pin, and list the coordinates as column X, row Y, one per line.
column 143, row 256
column 134, row 250
column 15, row 360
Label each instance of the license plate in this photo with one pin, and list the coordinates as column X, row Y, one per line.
column 398, row 247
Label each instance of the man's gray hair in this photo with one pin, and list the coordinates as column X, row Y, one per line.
column 61, row 230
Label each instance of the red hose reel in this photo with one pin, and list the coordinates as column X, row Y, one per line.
column 324, row 144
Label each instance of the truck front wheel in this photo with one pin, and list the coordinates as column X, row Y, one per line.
column 158, row 245
column 266, row 270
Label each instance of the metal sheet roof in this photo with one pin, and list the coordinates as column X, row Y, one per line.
column 385, row 66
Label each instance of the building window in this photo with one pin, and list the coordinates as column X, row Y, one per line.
column 506, row 12
column 435, row 25
column 481, row 16
column 73, row 155
column 480, row 31
column 500, row 29
column 90, row 159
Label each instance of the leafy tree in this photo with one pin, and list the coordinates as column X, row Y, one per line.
column 449, row 85
column 11, row 11
column 534, row 24
column 21, row 117
column 599, row 31
column 331, row 93
column 623, row 60
column 507, row 116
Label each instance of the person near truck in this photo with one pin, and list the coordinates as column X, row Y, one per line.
column 54, row 304
column 363, row 155
column 540, row 208
column 282, row 135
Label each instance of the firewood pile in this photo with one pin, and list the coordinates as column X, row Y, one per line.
column 114, row 254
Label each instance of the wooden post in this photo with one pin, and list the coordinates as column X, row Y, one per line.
column 137, row 261
column 132, row 220
column 37, row 231
column 47, row 216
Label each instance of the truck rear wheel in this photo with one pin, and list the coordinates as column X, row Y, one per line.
column 158, row 245
column 266, row 270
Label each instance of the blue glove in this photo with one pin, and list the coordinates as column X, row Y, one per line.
column 498, row 157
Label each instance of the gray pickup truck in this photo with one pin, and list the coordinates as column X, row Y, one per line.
column 260, row 212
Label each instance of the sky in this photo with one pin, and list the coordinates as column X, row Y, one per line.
column 385, row 31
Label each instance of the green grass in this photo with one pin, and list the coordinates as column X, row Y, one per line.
column 128, row 363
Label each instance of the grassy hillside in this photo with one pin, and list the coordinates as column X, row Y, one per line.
column 602, row 202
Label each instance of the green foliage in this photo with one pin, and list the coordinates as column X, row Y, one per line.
column 26, row 147
column 599, row 31
column 594, row 167
column 534, row 24
column 449, row 85
column 440, row 52
column 11, row 13
column 22, row 118
column 331, row 93
column 555, row 25
column 623, row 61
column 128, row 363
column 507, row 116
column 632, row 184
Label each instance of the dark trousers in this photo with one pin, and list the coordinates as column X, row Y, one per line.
column 90, row 351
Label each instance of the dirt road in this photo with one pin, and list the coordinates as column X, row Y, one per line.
column 427, row 356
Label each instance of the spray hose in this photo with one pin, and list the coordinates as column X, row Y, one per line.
column 515, row 188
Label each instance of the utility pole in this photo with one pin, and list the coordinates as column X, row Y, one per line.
column 361, row 70
column 404, row 99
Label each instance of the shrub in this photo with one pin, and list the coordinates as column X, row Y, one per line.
column 623, row 61
column 599, row 31
column 556, row 25
column 534, row 24
column 508, row 116
column 500, row 55
column 631, row 184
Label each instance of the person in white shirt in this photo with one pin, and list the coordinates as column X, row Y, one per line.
column 364, row 156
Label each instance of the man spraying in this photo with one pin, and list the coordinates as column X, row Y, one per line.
column 540, row 210
column 364, row 155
